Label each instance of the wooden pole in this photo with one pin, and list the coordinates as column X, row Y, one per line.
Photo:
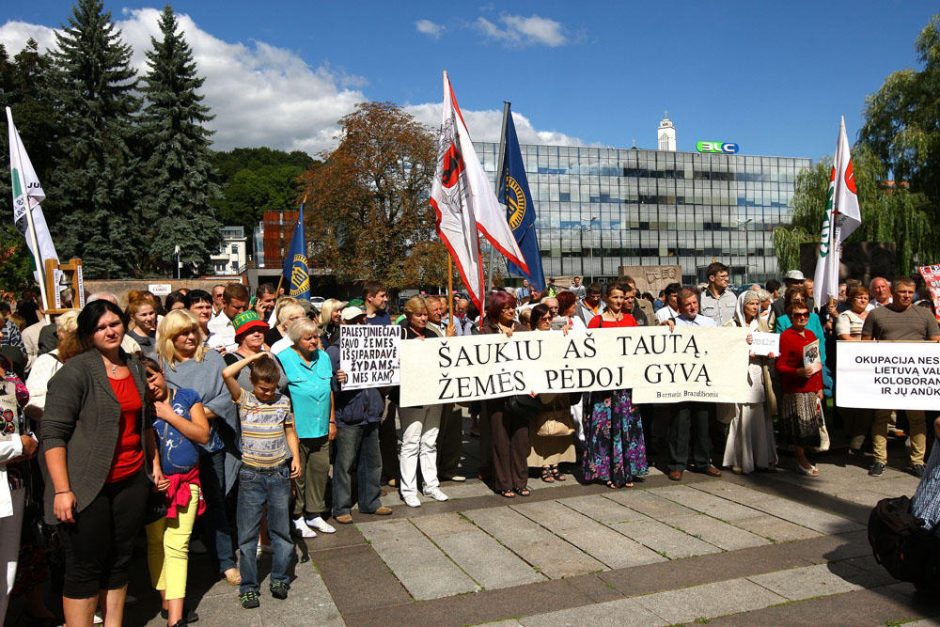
column 450, row 296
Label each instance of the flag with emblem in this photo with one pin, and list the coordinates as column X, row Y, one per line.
column 520, row 210
column 296, row 274
column 841, row 219
column 464, row 204
column 28, row 196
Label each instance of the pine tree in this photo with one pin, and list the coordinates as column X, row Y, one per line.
column 179, row 188
column 96, row 180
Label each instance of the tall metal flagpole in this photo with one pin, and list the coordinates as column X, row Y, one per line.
column 37, row 253
column 499, row 173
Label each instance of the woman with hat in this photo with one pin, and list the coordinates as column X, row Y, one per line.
column 249, row 335
column 309, row 378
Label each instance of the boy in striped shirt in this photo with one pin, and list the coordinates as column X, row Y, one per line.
column 268, row 443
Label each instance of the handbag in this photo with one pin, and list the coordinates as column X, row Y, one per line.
column 524, row 406
column 156, row 507
column 824, row 441
column 556, row 422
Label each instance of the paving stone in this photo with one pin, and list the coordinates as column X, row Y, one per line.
column 806, row 516
column 775, row 529
column 732, row 491
column 717, row 532
column 420, row 566
column 310, row 603
column 668, row 542
column 597, row 540
column 714, row 506
column 344, row 570
column 803, row 583
column 487, row 561
column 551, row 555
column 653, row 506
column 601, row 509
column 613, row 613
column 706, row 601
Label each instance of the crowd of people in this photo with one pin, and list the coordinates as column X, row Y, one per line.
column 223, row 416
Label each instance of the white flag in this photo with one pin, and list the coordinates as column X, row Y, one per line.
column 841, row 220
column 465, row 203
column 23, row 175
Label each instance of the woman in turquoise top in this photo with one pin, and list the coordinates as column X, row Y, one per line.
column 797, row 293
column 309, row 374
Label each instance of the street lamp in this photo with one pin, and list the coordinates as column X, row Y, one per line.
column 590, row 222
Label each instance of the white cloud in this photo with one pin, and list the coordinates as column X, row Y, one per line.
column 429, row 28
column 524, row 31
column 487, row 126
column 262, row 95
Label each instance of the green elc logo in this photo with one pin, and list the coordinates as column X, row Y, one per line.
column 725, row 148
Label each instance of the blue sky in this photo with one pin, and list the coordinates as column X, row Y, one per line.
column 772, row 77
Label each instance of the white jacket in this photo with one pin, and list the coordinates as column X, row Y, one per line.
column 11, row 446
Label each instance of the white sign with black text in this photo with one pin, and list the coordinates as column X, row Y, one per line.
column 369, row 355
column 765, row 343
column 888, row 375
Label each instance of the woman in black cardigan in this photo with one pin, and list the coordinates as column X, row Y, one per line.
column 98, row 443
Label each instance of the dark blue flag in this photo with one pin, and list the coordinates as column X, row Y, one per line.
column 520, row 211
column 296, row 275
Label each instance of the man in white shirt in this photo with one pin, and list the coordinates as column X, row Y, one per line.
column 880, row 289
column 690, row 416
column 577, row 288
column 671, row 310
column 718, row 302
column 221, row 332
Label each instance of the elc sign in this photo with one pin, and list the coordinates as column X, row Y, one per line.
column 726, row 148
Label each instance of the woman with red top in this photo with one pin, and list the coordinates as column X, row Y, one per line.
column 614, row 448
column 800, row 411
column 94, row 433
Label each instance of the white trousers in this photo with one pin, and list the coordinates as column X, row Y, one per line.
column 10, row 528
column 419, row 427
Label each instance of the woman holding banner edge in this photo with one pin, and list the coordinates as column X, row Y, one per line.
column 615, row 451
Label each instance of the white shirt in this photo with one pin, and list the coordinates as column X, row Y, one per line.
column 282, row 344
column 221, row 333
column 666, row 313
column 698, row 321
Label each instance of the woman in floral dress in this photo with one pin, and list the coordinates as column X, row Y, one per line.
column 614, row 451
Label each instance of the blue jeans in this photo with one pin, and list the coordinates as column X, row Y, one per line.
column 257, row 487
column 212, row 477
column 362, row 442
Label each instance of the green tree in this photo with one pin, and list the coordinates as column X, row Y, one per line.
column 178, row 189
column 901, row 125
column 95, row 185
column 257, row 179
column 368, row 201
column 890, row 213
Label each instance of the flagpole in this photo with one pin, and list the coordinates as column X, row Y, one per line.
column 37, row 253
column 499, row 174
column 450, row 296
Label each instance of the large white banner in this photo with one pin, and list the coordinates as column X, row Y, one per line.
column 888, row 375
column 705, row 365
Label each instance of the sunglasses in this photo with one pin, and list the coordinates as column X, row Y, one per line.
column 801, row 314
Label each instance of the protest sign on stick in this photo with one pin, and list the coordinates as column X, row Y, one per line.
column 931, row 276
column 369, row 355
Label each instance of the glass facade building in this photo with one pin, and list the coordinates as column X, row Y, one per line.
column 602, row 208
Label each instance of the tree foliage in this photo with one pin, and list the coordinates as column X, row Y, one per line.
column 95, row 184
column 369, row 216
column 178, row 186
column 897, row 169
column 254, row 180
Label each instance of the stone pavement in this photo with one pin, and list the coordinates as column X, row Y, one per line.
column 769, row 548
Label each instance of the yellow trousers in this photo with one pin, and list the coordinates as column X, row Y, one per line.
column 168, row 548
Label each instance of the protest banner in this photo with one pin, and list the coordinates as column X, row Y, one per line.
column 688, row 364
column 888, row 375
column 765, row 343
column 369, row 355
column 931, row 276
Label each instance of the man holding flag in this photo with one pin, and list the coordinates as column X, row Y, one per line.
column 520, row 211
column 296, row 275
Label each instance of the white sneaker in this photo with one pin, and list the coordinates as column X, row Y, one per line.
column 412, row 500
column 320, row 525
column 301, row 528
column 98, row 620
column 436, row 494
